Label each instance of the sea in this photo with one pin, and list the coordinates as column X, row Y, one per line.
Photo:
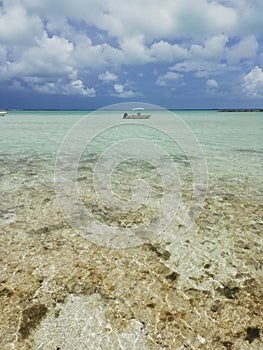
column 131, row 234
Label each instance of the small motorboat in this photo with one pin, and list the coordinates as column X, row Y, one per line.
column 2, row 113
column 136, row 116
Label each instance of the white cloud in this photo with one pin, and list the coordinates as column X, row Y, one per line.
column 206, row 58
column 212, row 48
column 212, row 84
column 121, row 92
column 164, row 51
column 75, row 87
column 119, row 88
column 89, row 56
column 253, row 82
column 166, row 79
column 107, row 76
column 3, row 53
column 135, row 51
column 201, row 68
column 49, row 60
column 250, row 16
column 246, row 48
column 128, row 19
column 46, row 42
column 17, row 27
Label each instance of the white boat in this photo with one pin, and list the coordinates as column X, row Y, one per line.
column 2, row 113
column 138, row 115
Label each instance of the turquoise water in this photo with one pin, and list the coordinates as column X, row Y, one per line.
column 232, row 142
column 223, row 155
column 191, row 229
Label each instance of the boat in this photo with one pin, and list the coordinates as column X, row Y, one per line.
column 136, row 116
column 2, row 113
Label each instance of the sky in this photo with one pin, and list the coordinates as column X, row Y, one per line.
column 87, row 54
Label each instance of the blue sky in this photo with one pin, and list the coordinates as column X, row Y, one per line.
column 86, row 54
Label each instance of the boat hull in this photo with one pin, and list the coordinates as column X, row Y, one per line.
column 137, row 116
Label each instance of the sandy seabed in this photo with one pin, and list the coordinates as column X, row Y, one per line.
column 199, row 290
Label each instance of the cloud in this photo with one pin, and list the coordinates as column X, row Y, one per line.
column 18, row 27
column 212, row 48
column 87, row 55
column 206, row 58
column 167, row 78
column 50, row 59
column 164, row 51
column 121, row 92
column 135, row 51
column 107, row 76
column 253, row 82
column 250, row 16
column 201, row 68
column 75, row 87
column 124, row 20
column 246, row 48
column 3, row 54
column 119, row 88
column 45, row 44
column 212, row 84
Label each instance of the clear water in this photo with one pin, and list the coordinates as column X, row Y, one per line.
column 225, row 137
column 232, row 144
column 227, row 237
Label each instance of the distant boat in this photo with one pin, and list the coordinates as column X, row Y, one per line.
column 136, row 116
column 2, row 113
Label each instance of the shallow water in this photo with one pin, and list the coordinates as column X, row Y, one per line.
column 199, row 288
